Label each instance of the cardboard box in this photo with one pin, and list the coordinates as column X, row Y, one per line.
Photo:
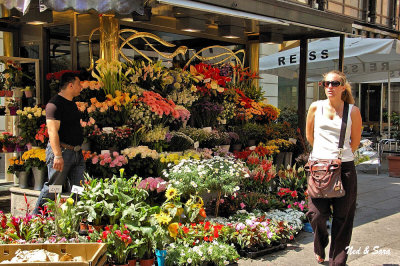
column 93, row 254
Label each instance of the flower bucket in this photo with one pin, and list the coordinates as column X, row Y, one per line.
column 39, row 175
column 16, row 179
column 161, row 255
column 9, row 93
column 13, row 110
column 23, row 177
column 18, row 92
column 147, row 262
column 237, row 147
column 28, row 94
column 10, row 147
column 19, row 148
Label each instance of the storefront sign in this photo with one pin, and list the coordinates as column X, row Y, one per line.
column 294, row 58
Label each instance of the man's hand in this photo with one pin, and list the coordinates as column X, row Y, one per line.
column 58, row 164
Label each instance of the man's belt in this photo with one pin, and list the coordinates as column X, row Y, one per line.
column 70, row 147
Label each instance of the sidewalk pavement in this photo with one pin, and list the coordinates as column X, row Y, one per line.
column 376, row 224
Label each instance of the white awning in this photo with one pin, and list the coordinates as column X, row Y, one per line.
column 364, row 59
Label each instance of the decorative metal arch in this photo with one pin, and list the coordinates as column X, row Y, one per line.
column 225, row 56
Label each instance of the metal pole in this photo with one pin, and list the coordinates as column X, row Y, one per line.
column 359, row 95
column 381, row 113
column 389, row 106
column 301, row 100
column 341, row 52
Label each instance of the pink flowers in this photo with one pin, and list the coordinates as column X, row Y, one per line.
column 153, row 184
column 111, row 160
column 242, row 205
column 160, row 105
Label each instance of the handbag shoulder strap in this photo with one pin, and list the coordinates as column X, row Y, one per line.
column 343, row 128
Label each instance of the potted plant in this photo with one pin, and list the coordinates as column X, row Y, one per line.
column 13, row 106
column 36, row 160
column 18, row 168
column 394, row 160
column 254, row 133
column 8, row 141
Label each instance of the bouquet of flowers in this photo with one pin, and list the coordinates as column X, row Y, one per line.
column 175, row 158
column 211, row 82
column 114, row 111
column 178, row 141
column 35, row 158
column 205, row 113
column 110, row 75
column 106, row 165
column 30, row 120
column 142, row 161
column 8, row 140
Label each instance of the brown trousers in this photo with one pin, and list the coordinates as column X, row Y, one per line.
column 343, row 216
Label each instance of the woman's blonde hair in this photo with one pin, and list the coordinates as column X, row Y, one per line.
column 346, row 95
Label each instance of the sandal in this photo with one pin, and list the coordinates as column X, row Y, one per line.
column 319, row 259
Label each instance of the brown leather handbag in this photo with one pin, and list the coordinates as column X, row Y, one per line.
column 324, row 179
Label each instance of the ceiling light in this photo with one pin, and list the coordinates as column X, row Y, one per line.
column 231, row 31
column 190, row 24
column 127, row 19
column 33, row 15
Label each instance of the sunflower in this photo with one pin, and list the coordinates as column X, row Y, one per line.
column 171, row 193
column 163, row 218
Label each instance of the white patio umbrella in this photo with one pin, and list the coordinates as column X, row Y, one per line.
column 363, row 57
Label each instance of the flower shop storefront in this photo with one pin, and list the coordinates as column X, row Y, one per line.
column 185, row 162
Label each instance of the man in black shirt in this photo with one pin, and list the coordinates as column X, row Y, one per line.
column 63, row 153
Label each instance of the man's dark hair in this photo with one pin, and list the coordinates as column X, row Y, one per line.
column 66, row 78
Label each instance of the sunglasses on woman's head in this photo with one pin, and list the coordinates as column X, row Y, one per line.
column 334, row 83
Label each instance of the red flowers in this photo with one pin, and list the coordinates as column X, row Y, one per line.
column 58, row 75
column 42, row 135
column 286, row 191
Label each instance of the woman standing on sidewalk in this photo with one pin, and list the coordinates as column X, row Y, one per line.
column 322, row 131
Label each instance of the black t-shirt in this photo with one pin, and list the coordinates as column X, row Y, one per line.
column 59, row 108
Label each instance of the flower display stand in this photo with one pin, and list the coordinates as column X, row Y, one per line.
column 262, row 252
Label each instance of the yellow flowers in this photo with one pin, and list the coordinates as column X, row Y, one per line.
column 176, row 157
column 70, row 201
column 173, row 229
column 16, row 161
column 35, row 154
column 171, row 193
column 163, row 218
column 31, row 112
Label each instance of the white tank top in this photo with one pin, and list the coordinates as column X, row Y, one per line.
column 326, row 136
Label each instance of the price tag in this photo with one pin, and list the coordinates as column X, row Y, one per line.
column 196, row 144
column 252, row 148
column 55, row 188
column 292, row 140
column 77, row 189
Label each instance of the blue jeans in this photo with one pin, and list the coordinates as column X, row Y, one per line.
column 74, row 168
